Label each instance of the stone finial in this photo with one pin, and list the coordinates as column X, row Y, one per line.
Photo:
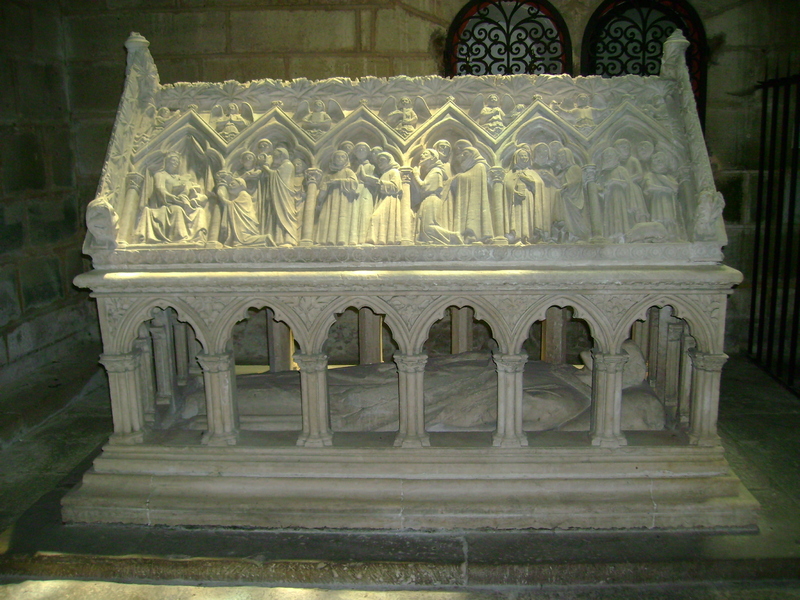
column 673, row 54
column 136, row 41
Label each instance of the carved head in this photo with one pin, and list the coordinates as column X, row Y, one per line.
column 644, row 150
column 299, row 166
column 248, row 159
column 582, row 101
column 264, row 146
column 361, row 151
column 541, row 155
column 347, row 146
column 554, row 146
column 233, row 108
column 493, row 100
column 565, row 158
column 660, row 163
column 405, row 102
column 609, row 159
column 429, row 157
column 444, row 149
column 385, row 161
column 280, row 156
column 318, row 106
column 623, row 147
column 172, row 162
column 339, row 160
column 522, row 158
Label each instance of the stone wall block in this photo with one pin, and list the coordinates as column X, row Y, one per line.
column 322, row 67
column 16, row 25
column 9, row 296
column 46, row 26
column 60, row 155
column 52, row 327
column 96, row 86
column 41, row 281
column 188, row 33
column 415, row 67
column 398, row 31
column 23, row 163
column 180, row 69
column 52, row 219
column 8, row 101
column 243, row 68
column 293, row 31
column 12, row 227
column 42, row 93
column 91, row 141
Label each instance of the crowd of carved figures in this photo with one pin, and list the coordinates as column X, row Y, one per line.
column 269, row 195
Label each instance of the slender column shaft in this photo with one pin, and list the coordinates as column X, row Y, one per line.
column 143, row 348
column 194, row 350
column 126, row 408
column 509, row 433
column 685, row 392
column 406, row 215
column 280, row 344
column 411, row 373
column 314, row 397
column 497, row 176
column 133, row 183
column 554, row 336
column 706, row 371
column 179, row 332
column 164, row 359
column 606, row 430
column 219, row 376
column 595, row 212
column 310, row 206
column 461, row 329
column 672, row 368
column 370, row 337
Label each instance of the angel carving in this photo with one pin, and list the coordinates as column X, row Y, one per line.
column 314, row 118
column 231, row 121
column 402, row 116
column 582, row 112
column 493, row 115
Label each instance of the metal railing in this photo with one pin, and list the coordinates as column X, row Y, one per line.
column 775, row 304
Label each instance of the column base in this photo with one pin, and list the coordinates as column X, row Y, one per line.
column 126, row 439
column 412, row 441
column 219, row 439
column 609, row 441
column 707, row 440
column 315, row 441
column 306, row 243
column 510, row 441
column 500, row 241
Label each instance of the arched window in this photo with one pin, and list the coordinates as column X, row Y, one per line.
column 626, row 36
column 505, row 37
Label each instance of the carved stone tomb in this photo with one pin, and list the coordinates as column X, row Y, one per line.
column 562, row 235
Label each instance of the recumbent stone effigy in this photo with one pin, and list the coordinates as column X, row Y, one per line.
column 511, row 200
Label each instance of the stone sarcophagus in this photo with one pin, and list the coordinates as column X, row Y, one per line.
column 563, row 235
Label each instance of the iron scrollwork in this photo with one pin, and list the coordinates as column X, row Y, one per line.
column 508, row 37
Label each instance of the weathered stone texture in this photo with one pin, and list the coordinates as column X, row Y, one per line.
column 95, row 86
column 52, row 219
column 315, row 67
column 293, row 31
column 91, row 142
column 399, row 31
column 41, row 281
column 101, row 36
column 241, row 68
column 23, row 163
column 9, row 297
column 12, row 215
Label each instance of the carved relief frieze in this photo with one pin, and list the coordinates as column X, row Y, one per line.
column 473, row 161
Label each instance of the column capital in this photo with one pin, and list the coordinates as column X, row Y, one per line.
column 313, row 175
column 510, row 363
column 215, row 363
column 405, row 174
column 608, row 363
column 311, row 363
column 134, row 181
column 119, row 363
column 497, row 174
column 706, row 361
column 410, row 363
